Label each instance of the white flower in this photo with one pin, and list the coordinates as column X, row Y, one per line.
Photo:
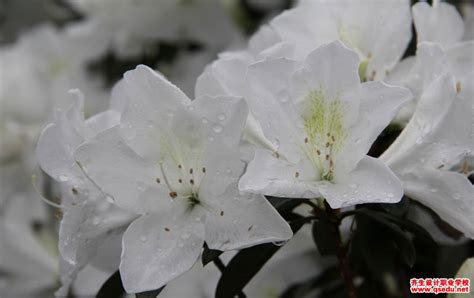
column 440, row 23
column 431, row 61
column 37, row 71
column 433, row 155
column 127, row 26
column 175, row 164
column 90, row 221
column 378, row 31
column 322, row 121
column 28, row 267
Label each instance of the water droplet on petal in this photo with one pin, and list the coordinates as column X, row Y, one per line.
column 110, row 199
column 217, row 128
column 221, row 117
column 63, row 178
column 143, row 238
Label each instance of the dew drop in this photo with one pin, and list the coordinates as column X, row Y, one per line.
column 110, row 199
column 143, row 239
column 217, row 128
column 63, row 178
column 221, row 117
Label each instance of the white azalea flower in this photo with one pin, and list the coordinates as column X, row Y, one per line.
column 431, row 61
column 322, row 121
column 28, row 268
column 42, row 66
column 175, row 164
column 433, row 154
column 89, row 220
column 378, row 31
column 126, row 25
column 440, row 23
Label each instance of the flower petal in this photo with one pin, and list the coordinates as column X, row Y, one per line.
column 158, row 248
column 269, row 175
column 441, row 23
column 239, row 221
column 100, row 158
column 449, row 194
column 379, row 104
column 152, row 100
column 370, row 182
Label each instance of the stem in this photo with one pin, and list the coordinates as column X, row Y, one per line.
column 341, row 251
column 218, row 262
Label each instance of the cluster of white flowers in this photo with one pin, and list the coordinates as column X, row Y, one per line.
column 155, row 176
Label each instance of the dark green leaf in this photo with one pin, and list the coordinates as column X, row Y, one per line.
column 209, row 255
column 112, row 287
column 284, row 205
column 402, row 241
column 323, row 235
column 149, row 294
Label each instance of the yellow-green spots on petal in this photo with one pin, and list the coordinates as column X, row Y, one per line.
column 325, row 135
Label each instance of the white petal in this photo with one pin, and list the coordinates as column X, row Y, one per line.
column 442, row 24
column 211, row 119
column 379, row 104
column 152, row 101
column 432, row 108
column 266, row 174
column 449, row 194
column 332, row 68
column 370, row 182
column 158, row 248
column 239, row 221
column 120, row 172
column 57, row 142
column 223, row 77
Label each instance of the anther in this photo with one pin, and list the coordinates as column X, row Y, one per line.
column 333, row 139
column 173, row 194
column 158, row 180
column 250, row 228
column 458, row 87
column 318, row 152
column 191, row 181
column 306, row 140
column 180, row 180
column 74, row 191
column 167, row 229
column 190, row 171
column 327, row 144
column 327, row 156
column 222, row 213
column 277, row 155
column 180, row 166
column 297, row 174
column 204, row 170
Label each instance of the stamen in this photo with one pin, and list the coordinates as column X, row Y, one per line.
column 180, row 166
column 306, row 140
column 180, row 180
column 167, row 229
column 191, row 181
column 250, row 228
column 297, row 174
column 74, row 191
column 222, row 213
column 204, row 170
column 158, row 180
column 173, row 194
column 458, row 87
column 277, row 155
column 191, row 171
column 327, row 156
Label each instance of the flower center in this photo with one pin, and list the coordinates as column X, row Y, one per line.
column 323, row 122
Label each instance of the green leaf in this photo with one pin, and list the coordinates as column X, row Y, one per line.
column 247, row 263
column 150, row 294
column 284, row 205
column 209, row 255
column 401, row 239
column 112, row 287
column 323, row 235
